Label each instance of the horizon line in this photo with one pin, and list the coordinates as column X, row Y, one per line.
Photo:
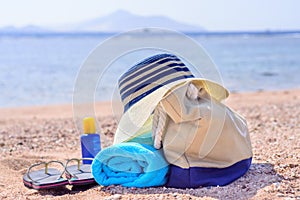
column 146, row 30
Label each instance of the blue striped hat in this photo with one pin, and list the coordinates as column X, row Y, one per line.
column 149, row 75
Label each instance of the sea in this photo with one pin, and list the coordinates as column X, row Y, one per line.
column 42, row 69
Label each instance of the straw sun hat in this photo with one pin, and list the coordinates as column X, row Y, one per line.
column 145, row 84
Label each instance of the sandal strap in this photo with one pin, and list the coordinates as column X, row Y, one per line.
column 46, row 168
column 78, row 165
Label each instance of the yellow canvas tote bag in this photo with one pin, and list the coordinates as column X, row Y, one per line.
column 206, row 143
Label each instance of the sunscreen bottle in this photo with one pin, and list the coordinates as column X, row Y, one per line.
column 90, row 140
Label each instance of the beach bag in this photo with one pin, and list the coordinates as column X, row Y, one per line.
column 205, row 142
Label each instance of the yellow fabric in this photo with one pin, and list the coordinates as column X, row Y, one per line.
column 203, row 133
column 146, row 128
column 136, row 116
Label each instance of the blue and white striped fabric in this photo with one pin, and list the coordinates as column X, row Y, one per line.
column 149, row 75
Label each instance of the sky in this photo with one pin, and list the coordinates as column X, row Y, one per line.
column 213, row 15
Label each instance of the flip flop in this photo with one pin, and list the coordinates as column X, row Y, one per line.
column 45, row 178
column 79, row 174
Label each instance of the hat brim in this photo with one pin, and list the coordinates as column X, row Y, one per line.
column 135, row 117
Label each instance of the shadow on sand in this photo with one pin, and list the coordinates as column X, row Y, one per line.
column 259, row 176
column 64, row 190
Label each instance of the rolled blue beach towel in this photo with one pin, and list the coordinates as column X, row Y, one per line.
column 131, row 165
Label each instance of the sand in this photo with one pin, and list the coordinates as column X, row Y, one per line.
column 33, row 134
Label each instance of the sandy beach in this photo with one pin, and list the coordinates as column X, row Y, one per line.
column 42, row 133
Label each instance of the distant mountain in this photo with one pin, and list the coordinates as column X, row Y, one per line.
column 124, row 21
column 116, row 22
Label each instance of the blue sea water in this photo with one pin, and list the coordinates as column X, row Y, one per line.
column 42, row 69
